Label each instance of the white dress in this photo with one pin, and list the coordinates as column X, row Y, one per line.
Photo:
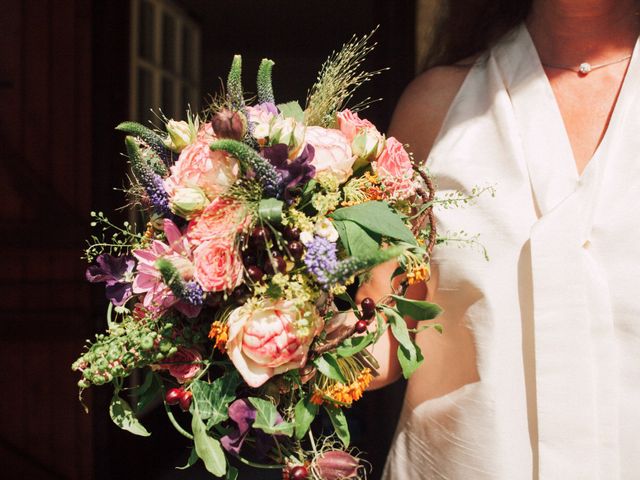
column 554, row 316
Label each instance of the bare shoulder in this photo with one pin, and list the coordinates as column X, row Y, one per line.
column 422, row 108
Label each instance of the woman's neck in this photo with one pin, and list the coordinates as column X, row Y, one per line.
column 573, row 31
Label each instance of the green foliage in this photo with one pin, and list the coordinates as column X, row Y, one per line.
column 213, row 399
column 122, row 415
column 270, row 210
column 234, row 84
column 375, row 217
column 328, row 366
column 265, row 86
column 416, row 309
column 305, row 412
column 409, row 354
column 357, row 241
column 207, row 448
column 191, row 461
column 267, row 418
column 148, row 391
column 339, row 422
column 353, row 345
column 293, row 110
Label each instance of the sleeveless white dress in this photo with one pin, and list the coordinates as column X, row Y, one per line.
column 554, row 315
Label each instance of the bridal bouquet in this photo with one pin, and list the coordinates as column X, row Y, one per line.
column 256, row 218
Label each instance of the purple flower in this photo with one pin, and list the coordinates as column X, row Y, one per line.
column 244, row 414
column 117, row 273
column 321, row 259
column 295, row 172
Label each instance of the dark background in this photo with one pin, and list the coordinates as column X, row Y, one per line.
column 64, row 85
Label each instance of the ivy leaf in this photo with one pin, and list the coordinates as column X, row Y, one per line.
column 416, row 309
column 122, row 415
column 268, row 419
column 193, row 458
column 339, row 422
column 328, row 366
column 353, row 345
column 409, row 354
column 376, row 217
column 207, row 448
column 305, row 412
column 213, row 399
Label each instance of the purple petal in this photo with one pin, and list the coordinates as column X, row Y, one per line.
column 242, row 412
column 118, row 293
column 232, row 443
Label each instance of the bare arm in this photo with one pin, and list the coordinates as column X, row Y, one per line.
column 416, row 121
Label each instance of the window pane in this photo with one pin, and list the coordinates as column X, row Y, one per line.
column 145, row 39
column 145, row 95
column 168, row 43
column 168, row 99
column 188, row 54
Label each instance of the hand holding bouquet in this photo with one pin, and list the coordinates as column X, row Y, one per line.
column 258, row 217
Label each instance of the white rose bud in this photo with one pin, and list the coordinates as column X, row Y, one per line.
column 187, row 202
column 306, row 237
column 366, row 146
column 180, row 135
column 287, row 131
column 324, row 228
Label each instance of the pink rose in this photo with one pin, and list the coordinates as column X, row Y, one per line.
column 217, row 264
column 199, row 167
column 269, row 339
column 394, row 161
column 184, row 364
column 223, row 217
column 350, row 124
column 332, row 152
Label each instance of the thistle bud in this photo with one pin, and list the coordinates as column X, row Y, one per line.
column 336, row 464
column 188, row 202
column 228, row 124
column 180, row 134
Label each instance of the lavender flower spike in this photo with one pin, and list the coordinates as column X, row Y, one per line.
column 321, row 259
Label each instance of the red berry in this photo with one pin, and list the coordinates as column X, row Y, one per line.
column 291, row 233
column 276, row 263
column 361, row 326
column 296, row 249
column 185, row 400
column 299, row 473
column 259, row 236
column 173, row 396
column 368, row 308
column 255, row 273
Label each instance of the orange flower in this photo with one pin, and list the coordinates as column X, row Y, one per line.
column 418, row 274
column 342, row 394
column 219, row 333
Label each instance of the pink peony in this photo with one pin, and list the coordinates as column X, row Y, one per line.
column 199, row 167
column 332, row 152
column 350, row 124
column 266, row 339
column 148, row 281
column 185, row 364
column 394, row 161
column 223, row 217
column 217, row 264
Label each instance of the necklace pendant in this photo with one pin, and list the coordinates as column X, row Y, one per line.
column 584, row 68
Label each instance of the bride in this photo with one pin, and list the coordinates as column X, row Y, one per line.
column 537, row 373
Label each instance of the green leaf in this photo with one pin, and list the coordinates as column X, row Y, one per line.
column 339, row 422
column 328, row 366
column 305, row 412
column 270, row 210
column 266, row 417
column 232, row 473
column 416, row 309
column 207, row 448
column 358, row 242
column 409, row 354
column 193, row 458
column 293, row 110
column 353, row 345
column 376, row 217
column 410, row 360
column 213, row 399
column 148, row 394
column 122, row 415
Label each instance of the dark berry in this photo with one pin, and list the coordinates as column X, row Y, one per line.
column 299, row 473
column 240, row 292
column 368, row 307
column 275, row 263
column 291, row 233
column 259, row 236
column 185, row 400
column 255, row 273
column 361, row 326
column 296, row 249
column 173, row 396
column 249, row 258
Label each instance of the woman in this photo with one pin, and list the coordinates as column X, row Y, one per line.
column 537, row 374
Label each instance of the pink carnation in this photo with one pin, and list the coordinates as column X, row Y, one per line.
column 199, row 167
column 351, row 124
column 394, row 161
column 184, row 365
column 217, row 264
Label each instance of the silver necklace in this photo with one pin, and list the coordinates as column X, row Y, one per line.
column 585, row 67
